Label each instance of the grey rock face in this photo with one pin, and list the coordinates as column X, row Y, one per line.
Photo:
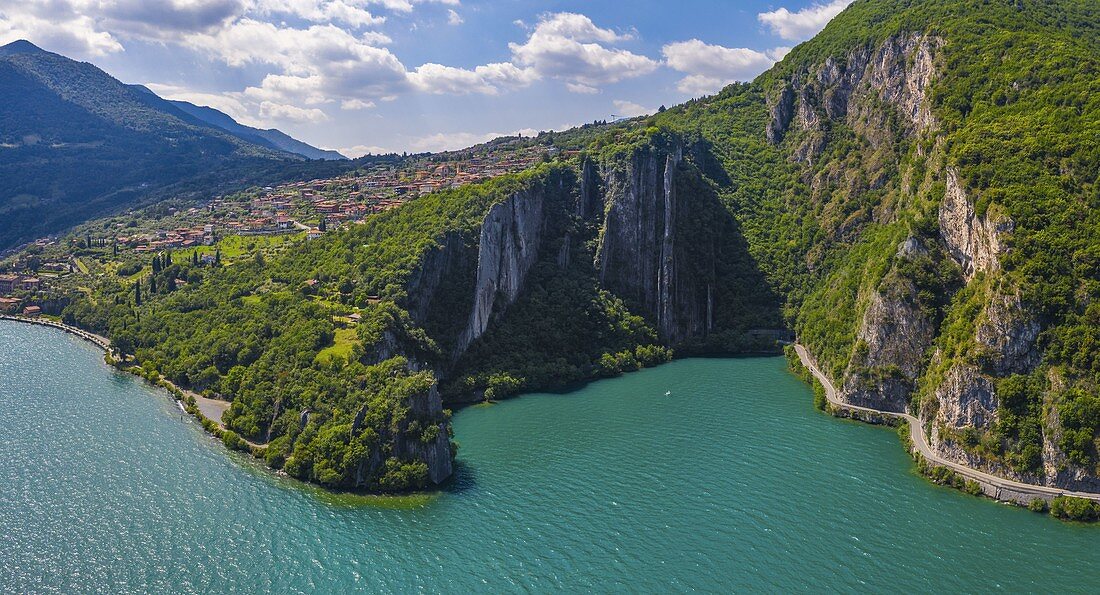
column 436, row 453
column 782, row 109
column 896, row 333
column 967, row 398
column 640, row 256
column 426, row 278
column 1008, row 332
column 974, row 242
column 508, row 247
column 899, row 71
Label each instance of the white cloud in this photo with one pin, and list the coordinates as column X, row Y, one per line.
column 451, row 141
column 57, row 27
column 453, row 18
column 319, row 11
column 360, row 150
column 290, row 113
column 630, row 109
column 232, row 106
column 570, row 47
column 355, row 104
column 581, row 88
column 803, row 24
column 489, row 79
column 711, row 67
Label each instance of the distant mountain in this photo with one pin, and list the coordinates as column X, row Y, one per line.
column 76, row 143
column 270, row 138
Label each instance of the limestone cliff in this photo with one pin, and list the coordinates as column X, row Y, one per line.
column 421, row 435
column 898, row 72
column 508, row 247
column 895, row 332
column 974, row 242
column 653, row 250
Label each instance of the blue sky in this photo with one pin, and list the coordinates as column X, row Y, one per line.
column 420, row 75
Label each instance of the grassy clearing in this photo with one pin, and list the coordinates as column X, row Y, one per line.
column 341, row 347
column 234, row 247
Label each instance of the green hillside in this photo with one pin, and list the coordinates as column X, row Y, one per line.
column 914, row 192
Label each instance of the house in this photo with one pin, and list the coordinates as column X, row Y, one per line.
column 8, row 283
column 314, row 233
column 9, row 305
column 32, row 311
column 31, row 283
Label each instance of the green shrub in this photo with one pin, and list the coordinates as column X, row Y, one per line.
column 1069, row 508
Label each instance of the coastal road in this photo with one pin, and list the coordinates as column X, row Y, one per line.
column 921, row 442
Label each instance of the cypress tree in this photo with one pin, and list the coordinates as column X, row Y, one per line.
column 137, row 293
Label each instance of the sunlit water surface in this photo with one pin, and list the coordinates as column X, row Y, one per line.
column 732, row 481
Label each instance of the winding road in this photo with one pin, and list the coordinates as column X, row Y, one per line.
column 994, row 486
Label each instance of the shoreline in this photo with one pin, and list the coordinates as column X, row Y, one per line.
column 995, row 487
column 177, row 394
column 97, row 340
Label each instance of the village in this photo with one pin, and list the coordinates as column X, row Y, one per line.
column 320, row 205
column 32, row 279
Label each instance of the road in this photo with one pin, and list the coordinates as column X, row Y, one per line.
column 921, row 442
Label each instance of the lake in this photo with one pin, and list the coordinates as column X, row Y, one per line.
column 731, row 482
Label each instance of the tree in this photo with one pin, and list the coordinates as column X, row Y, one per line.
column 137, row 293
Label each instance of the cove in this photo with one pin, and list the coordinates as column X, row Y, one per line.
column 732, row 481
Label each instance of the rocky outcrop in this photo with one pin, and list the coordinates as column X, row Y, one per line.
column 435, row 451
column 966, row 398
column 511, row 235
column 899, row 72
column 407, row 437
column 974, row 242
column 450, row 254
column 1008, row 332
column 780, row 112
column 893, row 337
column 642, row 254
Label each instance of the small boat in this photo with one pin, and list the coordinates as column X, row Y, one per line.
column 180, row 405
column 668, row 393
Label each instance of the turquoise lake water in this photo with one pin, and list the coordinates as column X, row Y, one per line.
column 733, row 482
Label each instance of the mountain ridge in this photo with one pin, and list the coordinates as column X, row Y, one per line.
column 76, row 143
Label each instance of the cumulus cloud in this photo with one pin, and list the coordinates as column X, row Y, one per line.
column 629, row 109
column 488, row 79
column 290, row 113
column 570, row 47
column 803, row 24
column 710, row 67
column 307, row 58
column 355, row 104
column 319, row 11
column 356, row 151
column 234, row 107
